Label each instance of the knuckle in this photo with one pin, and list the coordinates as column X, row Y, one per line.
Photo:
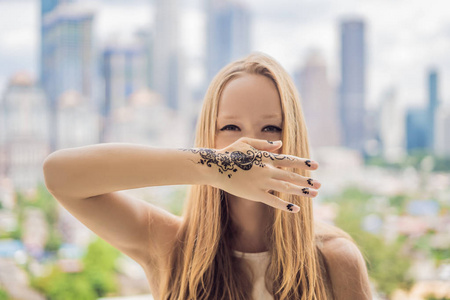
column 292, row 176
column 237, row 142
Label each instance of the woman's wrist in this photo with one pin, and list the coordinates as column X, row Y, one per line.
column 203, row 160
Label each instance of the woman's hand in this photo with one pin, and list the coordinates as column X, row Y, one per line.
column 248, row 169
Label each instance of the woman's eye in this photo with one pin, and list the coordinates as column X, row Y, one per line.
column 229, row 126
column 274, row 128
column 233, row 127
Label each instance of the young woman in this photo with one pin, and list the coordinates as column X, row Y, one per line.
column 247, row 230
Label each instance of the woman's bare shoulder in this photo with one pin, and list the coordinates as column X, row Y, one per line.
column 347, row 269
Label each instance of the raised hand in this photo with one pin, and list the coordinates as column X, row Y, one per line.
column 249, row 170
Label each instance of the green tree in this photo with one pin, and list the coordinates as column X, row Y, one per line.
column 399, row 202
column 387, row 264
column 97, row 279
column 99, row 267
column 4, row 295
column 71, row 287
column 45, row 201
column 433, row 297
column 54, row 240
column 442, row 164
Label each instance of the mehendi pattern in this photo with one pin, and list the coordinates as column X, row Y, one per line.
column 230, row 161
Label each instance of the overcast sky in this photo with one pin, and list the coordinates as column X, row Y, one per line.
column 404, row 38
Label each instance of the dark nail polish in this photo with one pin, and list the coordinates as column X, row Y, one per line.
column 289, row 206
column 305, row 191
column 310, row 182
column 308, row 163
column 270, row 142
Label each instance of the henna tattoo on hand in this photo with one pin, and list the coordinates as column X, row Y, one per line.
column 308, row 163
column 289, row 206
column 229, row 161
column 305, row 191
column 310, row 182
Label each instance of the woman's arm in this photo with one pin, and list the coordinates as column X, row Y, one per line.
column 87, row 182
column 93, row 170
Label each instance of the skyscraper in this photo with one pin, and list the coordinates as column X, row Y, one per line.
column 125, row 71
column 352, row 88
column 67, row 58
column 421, row 122
column 442, row 134
column 433, row 103
column 228, row 34
column 24, row 135
column 168, row 69
column 77, row 121
column 391, row 126
column 46, row 7
column 416, row 130
column 318, row 102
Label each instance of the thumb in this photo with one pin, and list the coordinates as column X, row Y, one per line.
column 263, row 145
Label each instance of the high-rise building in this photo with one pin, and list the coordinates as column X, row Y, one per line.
column 77, row 121
column 422, row 122
column 433, row 103
column 146, row 40
column 391, row 127
column 24, row 136
column 416, row 130
column 442, row 132
column 46, row 7
column 318, row 102
column 228, row 34
column 352, row 88
column 125, row 71
column 168, row 58
column 146, row 120
column 67, row 57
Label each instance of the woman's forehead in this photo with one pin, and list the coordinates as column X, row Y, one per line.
column 242, row 115
column 250, row 93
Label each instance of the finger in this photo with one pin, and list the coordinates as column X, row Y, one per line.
column 291, row 161
column 263, row 145
column 290, row 188
column 276, row 202
column 295, row 178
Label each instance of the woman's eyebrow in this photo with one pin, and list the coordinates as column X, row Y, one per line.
column 270, row 116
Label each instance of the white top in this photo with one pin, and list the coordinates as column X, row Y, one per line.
column 258, row 262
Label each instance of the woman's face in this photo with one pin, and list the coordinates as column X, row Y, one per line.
column 249, row 106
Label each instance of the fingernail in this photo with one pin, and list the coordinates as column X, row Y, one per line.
column 309, row 163
column 293, row 207
column 270, row 142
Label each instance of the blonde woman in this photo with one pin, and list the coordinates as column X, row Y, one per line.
column 247, row 229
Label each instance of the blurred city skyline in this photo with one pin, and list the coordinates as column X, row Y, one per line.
column 372, row 82
column 402, row 44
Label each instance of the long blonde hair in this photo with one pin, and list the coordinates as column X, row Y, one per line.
column 201, row 262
